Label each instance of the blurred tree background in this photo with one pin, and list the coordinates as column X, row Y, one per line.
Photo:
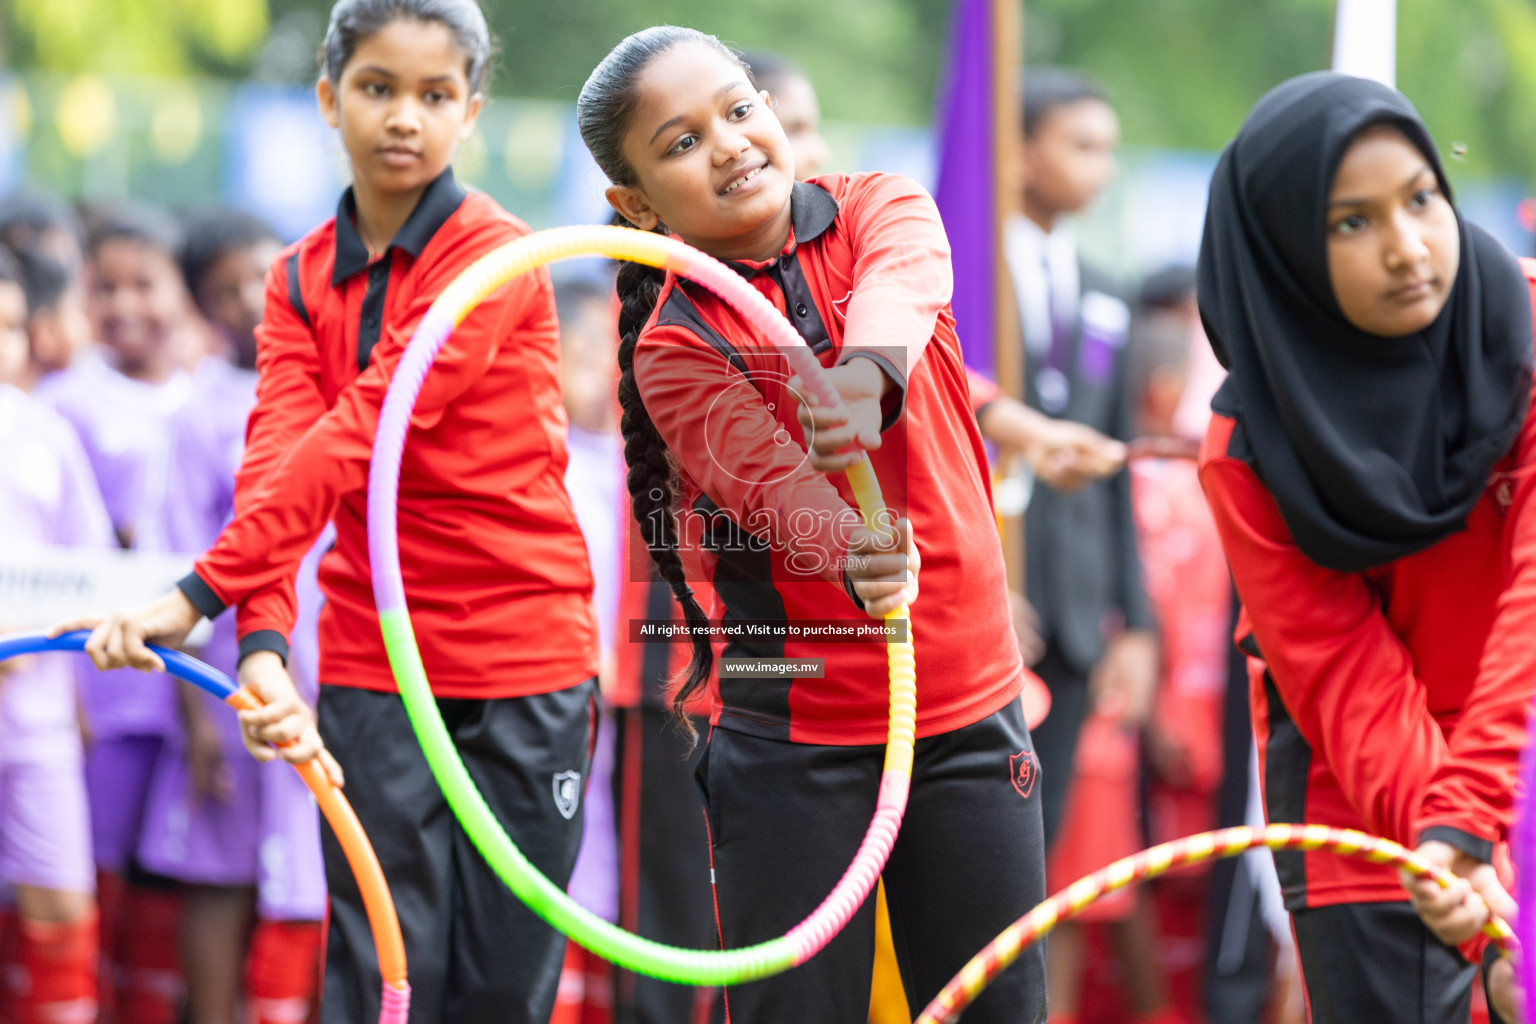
column 142, row 37
column 1182, row 71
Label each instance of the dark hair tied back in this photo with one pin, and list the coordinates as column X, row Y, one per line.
column 607, row 100
column 603, row 113
column 652, row 478
column 353, row 21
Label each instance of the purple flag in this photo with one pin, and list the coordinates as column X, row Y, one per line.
column 965, row 191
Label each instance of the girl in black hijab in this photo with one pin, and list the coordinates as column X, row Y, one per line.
column 1370, row 466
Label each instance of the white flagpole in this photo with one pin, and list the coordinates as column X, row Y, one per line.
column 1365, row 39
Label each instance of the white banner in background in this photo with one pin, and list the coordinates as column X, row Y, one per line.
column 41, row 584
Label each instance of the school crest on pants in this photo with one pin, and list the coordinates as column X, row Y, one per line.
column 567, row 786
column 1026, row 769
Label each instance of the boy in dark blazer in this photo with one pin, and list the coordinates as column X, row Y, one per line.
column 1081, row 567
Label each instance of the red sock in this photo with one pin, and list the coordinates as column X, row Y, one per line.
column 282, row 970
column 586, row 989
column 149, row 960
column 9, row 967
column 568, row 998
column 704, row 999
column 59, row 964
column 109, row 905
column 597, row 996
column 325, row 944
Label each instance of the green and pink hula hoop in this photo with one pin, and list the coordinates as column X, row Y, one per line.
column 687, row 966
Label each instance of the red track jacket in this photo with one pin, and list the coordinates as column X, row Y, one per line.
column 866, row 273
column 495, row 568
column 1393, row 700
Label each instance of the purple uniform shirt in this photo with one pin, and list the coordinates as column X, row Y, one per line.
column 122, row 424
column 48, row 495
column 594, row 478
column 205, row 442
column 269, row 834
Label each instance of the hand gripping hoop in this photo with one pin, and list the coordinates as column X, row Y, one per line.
column 975, row 976
column 687, row 966
column 360, row 855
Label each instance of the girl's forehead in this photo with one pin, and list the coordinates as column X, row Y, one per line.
column 1380, row 160
column 409, row 48
column 688, row 75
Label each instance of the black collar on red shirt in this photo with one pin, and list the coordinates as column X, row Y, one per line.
column 811, row 211
column 433, row 209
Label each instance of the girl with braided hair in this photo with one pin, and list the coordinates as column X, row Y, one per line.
column 735, row 480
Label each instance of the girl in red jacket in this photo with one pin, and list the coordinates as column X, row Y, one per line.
column 724, row 491
column 1370, row 467
column 496, row 568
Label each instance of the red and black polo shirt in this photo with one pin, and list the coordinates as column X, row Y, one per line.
column 1392, row 700
column 865, row 274
column 494, row 564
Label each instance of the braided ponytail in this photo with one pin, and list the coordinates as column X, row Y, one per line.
column 651, row 478
column 603, row 113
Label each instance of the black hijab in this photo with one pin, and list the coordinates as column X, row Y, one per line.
column 1373, row 447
